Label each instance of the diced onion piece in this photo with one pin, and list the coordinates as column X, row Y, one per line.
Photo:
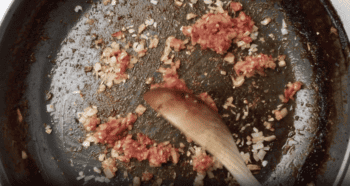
column 90, row 21
column 178, row 3
column 136, row 181
column 154, row 2
column 198, row 181
column 190, row 16
column 258, row 139
column 97, row 170
column 174, row 155
column 258, row 146
column 270, row 138
column 114, row 153
column 86, row 143
column 78, row 8
column 264, row 163
column 142, row 27
column 149, row 22
column 140, row 109
column 149, row 80
column 237, row 82
column 261, row 154
column 281, row 114
column 255, row 156
column 50, row 108
column 257, row 134
column 88, row 178
column 24, row 155
column 266, row 21
column 102, row 157
column 267, row 125
column 229, row 58
column 282, row 64
column 108, row 173
column 80, row 177
column 101, row 88
column 154, row 42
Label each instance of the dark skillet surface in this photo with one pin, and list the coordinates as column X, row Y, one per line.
column 59, row 44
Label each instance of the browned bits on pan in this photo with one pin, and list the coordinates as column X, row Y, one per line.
column 106, row 2
column 90, row 21
column 334, row 31
column 88, row 68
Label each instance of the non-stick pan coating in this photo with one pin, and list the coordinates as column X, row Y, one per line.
column 47, row 44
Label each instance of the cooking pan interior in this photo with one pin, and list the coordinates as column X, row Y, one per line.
column 48, row 45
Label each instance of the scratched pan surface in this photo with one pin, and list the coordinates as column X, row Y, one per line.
column 45, row 46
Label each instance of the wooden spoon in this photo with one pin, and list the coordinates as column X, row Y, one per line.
column 197, row 121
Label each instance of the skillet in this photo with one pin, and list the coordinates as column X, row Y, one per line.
column 45, row 46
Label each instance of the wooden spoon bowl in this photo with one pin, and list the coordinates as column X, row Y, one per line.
column 197, row 121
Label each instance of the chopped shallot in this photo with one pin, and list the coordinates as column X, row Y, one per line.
column 264, row 163
column 281, row 63
column 97, row 170
column 236, row 6
column 89, row 119
column 50, row 108
column 109, row 167
column 149, row 80
column 101, row 88
column 229, row 58
column 155, row 2
column 258, row 146
column 149, row 22
column 24, row 155
column 119, row 35
column 90, row 21
column 48, row 129
column 154, row 42
column 291, row 90
column 253, row 65
column 78, row 8
column 178, row 2
column 237, row 82
column 190, row 16
column 281, row 114
column 228, row 103
column 142, row 27
column 261, row 154
column 140, row 109
column 136, row 181
column 102, row 157
column 266, row 21
column 217, row 31
column 270, row 138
